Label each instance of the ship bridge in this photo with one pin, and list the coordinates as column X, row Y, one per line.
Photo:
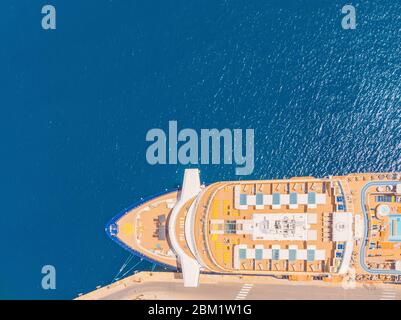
column 190, row 267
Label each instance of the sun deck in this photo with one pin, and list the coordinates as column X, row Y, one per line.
column 271, row 227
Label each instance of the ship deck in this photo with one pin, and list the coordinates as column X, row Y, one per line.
column 294, row 227
column 223, row 214
column 142, row 230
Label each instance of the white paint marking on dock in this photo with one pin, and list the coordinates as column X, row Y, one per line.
column 388, row 295
column 243, row 293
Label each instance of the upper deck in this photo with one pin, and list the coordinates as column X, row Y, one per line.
column 280, row 226
column 301, row 226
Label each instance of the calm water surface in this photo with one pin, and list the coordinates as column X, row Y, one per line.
column 76, row 104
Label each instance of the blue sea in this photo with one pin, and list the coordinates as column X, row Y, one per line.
column 77, row 102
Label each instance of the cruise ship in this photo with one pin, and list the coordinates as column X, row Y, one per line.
column 332, row 229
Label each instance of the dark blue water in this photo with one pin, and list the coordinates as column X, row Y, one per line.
column 76, row 104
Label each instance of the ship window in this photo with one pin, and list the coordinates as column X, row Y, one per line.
column 242, row 254
column 312, row 197
column 292, row 254
column 258, row 254
column 310, row 255
column 293, row 198
column 275, row 254
column 259, row 199
column 276, row 198
column 242, row 199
